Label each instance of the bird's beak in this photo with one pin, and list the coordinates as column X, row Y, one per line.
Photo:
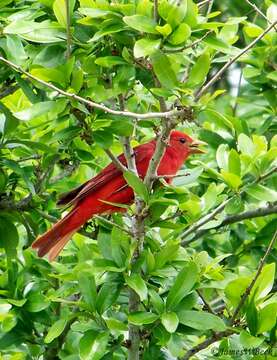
column 194, row 147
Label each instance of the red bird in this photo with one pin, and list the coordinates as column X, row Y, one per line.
column 110, row 185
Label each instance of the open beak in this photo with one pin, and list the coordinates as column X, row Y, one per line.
column 194, row 147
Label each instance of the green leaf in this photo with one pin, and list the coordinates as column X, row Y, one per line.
column 271, row 13
column 114, row 324
column 93, row 345
column 261, row 193
column 232, row 180
column 145, row 47
column 88, row 289
column 110, row 61
column 170, row 321
column 252, row 30
column 36, row 302
column 141, row 23
column 267, row 317
column 10, row 121
column 8, row 236
column 117, row 238
column 107, row 295
column 234, row 163
column 35, row 110
column 103, row 138
column 136, row 282
column 39, row 32
column 94, row 12
column 222, row 156
column 55, row 330
column 21, row 171
column 201, row 320
column 166, row 254
column 199, row 70
column 59, row 8
column 272, row 75
column 180, row 34
column 245, row 144
column 142, row 317
column 157, row 301
column 163, row 70
column 248, row 341
column 182, row 285
column 252, row 317
column 236, row 288
column 14, row 49
column 137, row 185
column 217, row 44
column 177, row 12
column 165, row 30
column 264, row 282
column 212, row 138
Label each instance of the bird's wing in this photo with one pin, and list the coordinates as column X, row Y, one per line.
column 142, row 153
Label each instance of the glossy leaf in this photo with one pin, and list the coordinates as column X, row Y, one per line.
column 201, row 320
column 183, row 284
column 163, row 70
column 136, row 282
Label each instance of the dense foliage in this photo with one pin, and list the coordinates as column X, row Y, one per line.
column 204, row 235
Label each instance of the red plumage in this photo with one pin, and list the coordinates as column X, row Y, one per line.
column 110, row 185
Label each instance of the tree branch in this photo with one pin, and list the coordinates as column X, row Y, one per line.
column 250, row 287
column 205, row 302
column 203, row 221
column 202, row 3
column 8, row 91
column 68, row 171
column 231, row 61
column 193, row 44
column 127, row 148
column 148, row 115
column 231, row 219
column 203, row 345
column 259, row 11
column 115, row 160
column 217, row 210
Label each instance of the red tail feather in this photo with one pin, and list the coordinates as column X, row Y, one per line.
column 54, row 240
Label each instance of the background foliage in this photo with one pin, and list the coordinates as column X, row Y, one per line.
column 189, row 278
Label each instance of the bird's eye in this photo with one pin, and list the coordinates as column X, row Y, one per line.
column 183, row 140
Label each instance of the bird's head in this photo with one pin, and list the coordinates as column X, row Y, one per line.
column 184, row 144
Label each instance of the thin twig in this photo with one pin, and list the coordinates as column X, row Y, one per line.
column 169, row 176
column 204, row 220
column 101, row 218
column 217, row 210
column 148, row 115
column 68, row 171
column 231, row 61
column 127, row 148
column 193, row 44
column 210, row 7
column 207, row 305
column 115, row 160
column 8, row 91
column 231, row 219
column 203, row 345
column 251, row 285
column 254, row 6
column 202, row 3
